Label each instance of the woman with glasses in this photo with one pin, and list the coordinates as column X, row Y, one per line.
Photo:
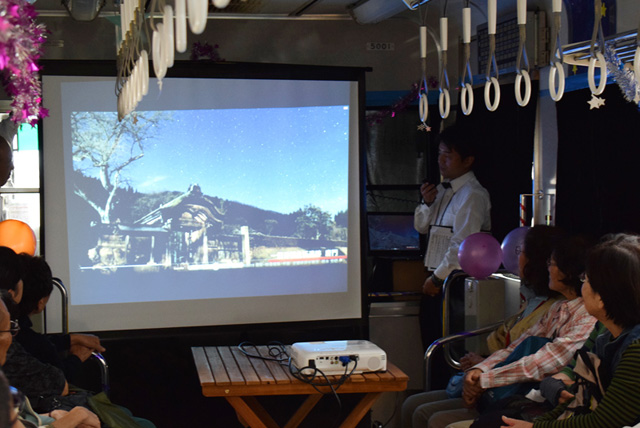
column 611, row 293
column 542, row 349
column 14, row 406
column 565, row 267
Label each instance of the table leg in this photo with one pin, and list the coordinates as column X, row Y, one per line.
column 360, row 410
column 251, row 412
column 303, row 410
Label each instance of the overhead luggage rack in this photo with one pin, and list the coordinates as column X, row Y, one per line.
column 624, row 46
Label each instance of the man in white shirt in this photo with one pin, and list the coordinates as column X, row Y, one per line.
column 454, row 209
column 459, row 202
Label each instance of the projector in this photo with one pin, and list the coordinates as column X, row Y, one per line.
column 338, row 357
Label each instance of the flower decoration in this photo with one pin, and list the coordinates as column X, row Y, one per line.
column 412, row 96
column 20, row 47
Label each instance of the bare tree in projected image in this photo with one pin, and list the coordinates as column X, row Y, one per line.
column 102, row 143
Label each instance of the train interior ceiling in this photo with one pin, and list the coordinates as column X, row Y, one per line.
column 553, row 141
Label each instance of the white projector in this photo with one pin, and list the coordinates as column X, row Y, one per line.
column 339, row 356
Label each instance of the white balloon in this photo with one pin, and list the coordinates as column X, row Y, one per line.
column 197, row 11
column 168, row 50
column 181, row 25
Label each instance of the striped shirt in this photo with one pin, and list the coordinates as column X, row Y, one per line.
column 567, row 323
column 620, row 405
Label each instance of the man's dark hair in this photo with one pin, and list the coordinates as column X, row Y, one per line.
column 613, row 269
column 570, row 255
column 10, row 269
column 37, row 282
column 538, row 245
column 456, row 138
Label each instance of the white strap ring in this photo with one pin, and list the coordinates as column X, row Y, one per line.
column 523, row 101
column 466, row 99
column 423, row 107
column 487, row 94
column 444, row 102
column 556, row 70
column 603, row 74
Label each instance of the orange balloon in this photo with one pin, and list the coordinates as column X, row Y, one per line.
column 18, row 236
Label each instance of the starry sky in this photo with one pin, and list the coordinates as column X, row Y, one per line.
column 278, row 159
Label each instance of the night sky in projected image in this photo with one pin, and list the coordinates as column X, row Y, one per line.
column 278, row 159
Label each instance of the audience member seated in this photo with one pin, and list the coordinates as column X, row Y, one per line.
column 45, row 385
column 11, row 273
column 65, row 351
column 537, row 298
column 611, row 292
column 541, row 350
column 13, row 402
column 566, row 265
column 535, row 292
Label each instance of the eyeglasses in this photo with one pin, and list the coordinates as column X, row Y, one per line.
column 18, row 403
column 13, row 329
column 583, row 277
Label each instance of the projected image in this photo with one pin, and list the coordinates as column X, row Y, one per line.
column 208, row 191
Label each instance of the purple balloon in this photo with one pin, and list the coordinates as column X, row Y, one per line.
column 480, row 255
column 512, row 246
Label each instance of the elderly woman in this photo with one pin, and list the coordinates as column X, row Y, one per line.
column 611, row 293
column 24, row 416
column 558, row 334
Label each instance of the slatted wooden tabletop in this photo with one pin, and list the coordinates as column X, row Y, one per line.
column 228, row 372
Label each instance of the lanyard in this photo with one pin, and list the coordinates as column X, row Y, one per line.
column 439, row 222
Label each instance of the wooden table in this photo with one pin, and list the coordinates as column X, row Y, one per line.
column 227, row 372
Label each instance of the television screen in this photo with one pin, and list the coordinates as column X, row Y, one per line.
column 393, row 235
column 220, row 200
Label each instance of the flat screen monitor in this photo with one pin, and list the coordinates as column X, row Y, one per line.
column 231, row 195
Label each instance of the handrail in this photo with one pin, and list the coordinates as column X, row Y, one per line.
column 104, row 367
column 445, row 341
column 104, row 372
column 65, row 304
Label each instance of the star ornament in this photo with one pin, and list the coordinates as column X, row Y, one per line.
column 424, row 127
column 595, row 102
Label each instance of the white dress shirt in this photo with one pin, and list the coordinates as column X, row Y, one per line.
column 465, row 207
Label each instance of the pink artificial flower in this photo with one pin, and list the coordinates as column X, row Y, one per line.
column 14, row 10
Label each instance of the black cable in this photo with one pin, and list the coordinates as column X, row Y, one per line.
column 278, row 352
column 310, row 378
column 395, row 408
